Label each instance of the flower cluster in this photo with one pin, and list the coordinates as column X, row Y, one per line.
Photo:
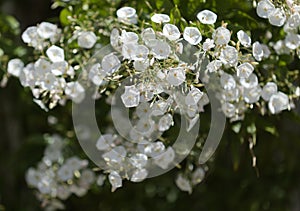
column 56, row 177
column 156, row 96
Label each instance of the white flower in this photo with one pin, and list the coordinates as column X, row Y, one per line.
column 128, row 37
column 63, row 192
column 46, row 30
column 192, row 35
column 65, row 173
column 221, row 36
column 15, row 67
column 294, row 20
column 154, row 149
column 183, row 184
column 231, row 95
column 61, row 68
column 115, row 38
column 49, row 81
column 127, row 15
column 128, row 50
column 171, row 32
column 164, row 159
column 161, row 50
column 160, row 18
column 278, row 102
column 159, row 108
column 244, row 38
column 27, row 76
column 252, row 95
column 145, row 126
column 87, row 177
column 266, row 51
column 207, row 17
column 96, row 74
column 115, row 156
column 250, row 82
column 214, row 66
column 139, row 175
column 30, row 34
column 115, row 180
column 193, row 96
column 268, row 90
column 131, row 96
column 292, row 41
column 33, row 177
column 143, row 110
column 46, row 185
column 191, row 110
column 165, row 122
column 176, row 76
column 244, row 70
column 140, row 52
column 147, row 92
column 52, row 153
column 56, row 36
column 281, row 48
column 42, row 66
column 75, row 91
column 227, row 81
column 55, row 54
column 228, row 109
column 229, row 56
column 139, row 160
column 110, row 63
column 198, row 175
column 264, row 8
column 75, row 163
column 257, row 51
column 277, row 17
column 141, row 65
column 208, row 44
column 105, row 141
column 148, row 34
column 87, row 39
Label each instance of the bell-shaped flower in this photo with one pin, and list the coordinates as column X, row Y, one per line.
column 160, row 18
column 207, row 17
column 192, row 35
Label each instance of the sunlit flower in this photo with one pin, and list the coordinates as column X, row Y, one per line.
column 244, row 38
column 192, row 35
column 221, row 36
column 14, row 67
column 207, row 17
column 278, row 102
column 87, row 39
column 171, row 32
column 160, row 18
column 55, row 54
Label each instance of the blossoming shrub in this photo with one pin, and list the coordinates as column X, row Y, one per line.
column 171, row 62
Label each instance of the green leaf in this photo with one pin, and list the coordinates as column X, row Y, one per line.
column 63, row 17
column 272, row 130
column 251, row 129
column 176, row 2
column 159, row 4
column 175, row 15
